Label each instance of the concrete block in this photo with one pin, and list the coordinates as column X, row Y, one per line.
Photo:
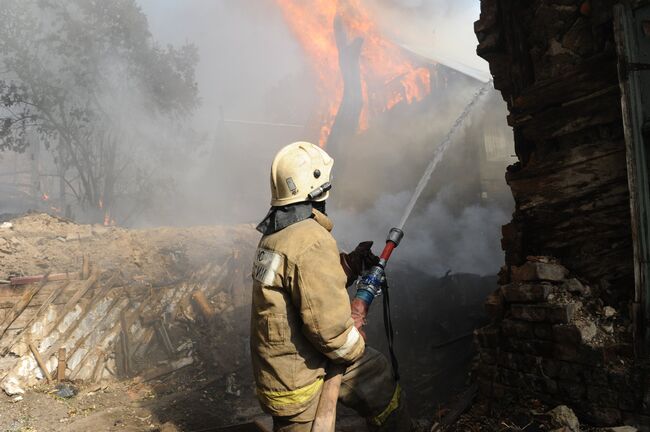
column 537, row 271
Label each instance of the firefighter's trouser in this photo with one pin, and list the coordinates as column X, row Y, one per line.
column 369, row 388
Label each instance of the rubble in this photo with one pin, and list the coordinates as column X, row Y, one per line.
column 564, row 418
column 115, row 313
column 559, row 345
column 11, row 386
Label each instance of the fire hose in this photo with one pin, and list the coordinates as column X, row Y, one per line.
column 370, row 285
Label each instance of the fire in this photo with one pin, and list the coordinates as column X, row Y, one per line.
column 388, row 75
column 108, row 220
column 45, row 196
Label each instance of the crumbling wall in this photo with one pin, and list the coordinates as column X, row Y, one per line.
column 562, row 336
column 555, row 340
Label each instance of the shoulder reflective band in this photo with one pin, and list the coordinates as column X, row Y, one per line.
column 392, row 406
column 266, row 265
column 279, row 399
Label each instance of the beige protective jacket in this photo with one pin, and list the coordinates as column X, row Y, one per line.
column 300, row 315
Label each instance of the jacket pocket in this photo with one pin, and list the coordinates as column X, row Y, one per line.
column 276, row 329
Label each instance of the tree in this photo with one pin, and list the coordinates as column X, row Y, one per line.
column 88, row 78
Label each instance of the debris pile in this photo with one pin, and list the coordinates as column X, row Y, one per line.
column 534, row 416
column 160, row 304
column 553, row 339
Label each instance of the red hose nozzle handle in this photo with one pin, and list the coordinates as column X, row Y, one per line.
column 395, row 236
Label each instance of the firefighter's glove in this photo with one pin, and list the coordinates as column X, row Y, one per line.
column 358, row 261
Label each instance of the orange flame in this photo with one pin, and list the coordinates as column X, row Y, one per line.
column 45, row 196
column 108, row 220
column 388, row 75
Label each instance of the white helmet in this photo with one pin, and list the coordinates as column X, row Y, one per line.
column 300, row 172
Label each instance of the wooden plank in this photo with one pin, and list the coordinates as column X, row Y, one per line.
column 61, row 366
column 85, row 267
column 40, row 362
column 20, row 306
column 54, row 294
column 165, row 369
column 72, row 302
column 632, row 104
column 26, row 280
column 124, row 344
column 84, row 309
column 41, row 297
column 203, row 306
column 99, row 367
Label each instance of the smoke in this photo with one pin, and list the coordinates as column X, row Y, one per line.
column 258, row 93
column 441, row 30
column 437, row 238
column 253, row 69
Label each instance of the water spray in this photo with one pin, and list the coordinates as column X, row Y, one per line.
column 370, row 284
column 373, row 282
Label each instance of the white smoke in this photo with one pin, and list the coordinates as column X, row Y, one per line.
column 440, row 30
column 437, row 238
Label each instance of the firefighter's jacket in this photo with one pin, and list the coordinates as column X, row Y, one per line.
column 300, row 315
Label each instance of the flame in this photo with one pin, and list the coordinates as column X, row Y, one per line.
column 108, row 220
column 45, row 196
column 389, row 76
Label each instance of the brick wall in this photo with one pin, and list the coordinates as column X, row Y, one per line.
column 560, row 328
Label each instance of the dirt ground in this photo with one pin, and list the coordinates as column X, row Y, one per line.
column 201, row 403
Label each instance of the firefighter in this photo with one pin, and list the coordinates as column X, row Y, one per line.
column 301, row 318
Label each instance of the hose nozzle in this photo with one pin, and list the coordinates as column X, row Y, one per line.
column 392, row 241
column 395, row 235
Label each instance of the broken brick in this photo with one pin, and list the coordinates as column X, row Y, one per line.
column 536, row 271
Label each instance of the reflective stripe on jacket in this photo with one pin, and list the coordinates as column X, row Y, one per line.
column 300, row 315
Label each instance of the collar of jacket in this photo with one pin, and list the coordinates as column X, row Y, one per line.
column 279, row 218
column 322, row 219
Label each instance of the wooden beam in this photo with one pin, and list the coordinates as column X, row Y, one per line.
column 55, row 293
column 202, row 305
column 60, row 369
column 40, row 362
column 20, row 306
column 85, row 267
column 124, row 343
column 26, row 280
column 71, row 304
